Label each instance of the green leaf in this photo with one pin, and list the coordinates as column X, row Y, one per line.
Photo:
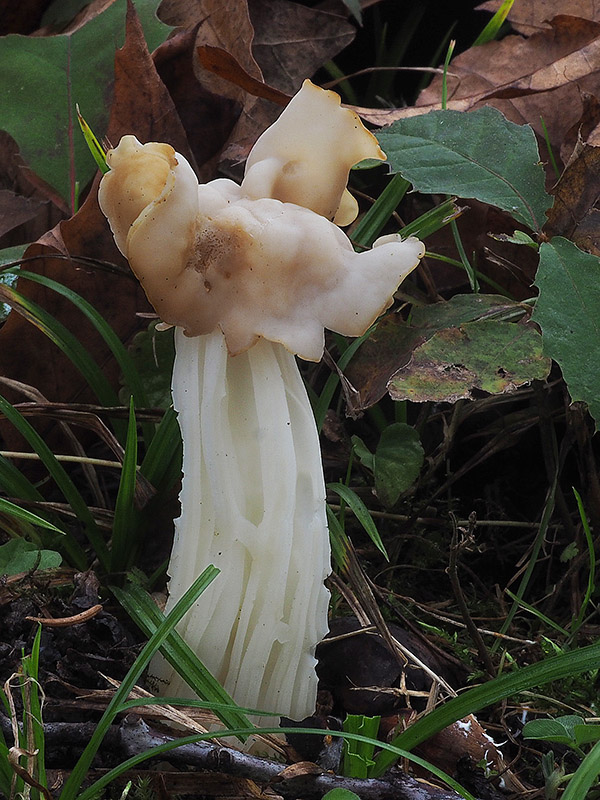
column 362, row 452
column 586, row 733
column 492, row 29
column 568, row 312
column 354, row 7
column 11, row 254
column 390, row 346
column 6, row 507
column 477, row 154
column 397, row 463
column 152, row 354
column 584, row 776
column 560, row 730
column 43, row 77
column 489, row 356
column 340, row 794
column 18, row 555
column 361, row 512
column 358, row 755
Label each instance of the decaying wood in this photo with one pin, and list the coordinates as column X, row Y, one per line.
column 305, row 780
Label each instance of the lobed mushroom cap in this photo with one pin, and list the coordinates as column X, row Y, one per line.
column 306, row 156
column 262, row 259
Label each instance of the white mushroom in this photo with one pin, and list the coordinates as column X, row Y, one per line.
column 251, row 275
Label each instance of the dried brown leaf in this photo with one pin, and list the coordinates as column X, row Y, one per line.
column 542, row 77
column 531, row 16
column 576, row 193
column 207, row 118
column 16, row 209
column 292, row 42
column 221, row 23
column 223, row 64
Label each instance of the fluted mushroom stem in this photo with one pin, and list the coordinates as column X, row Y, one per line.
column 253, row 504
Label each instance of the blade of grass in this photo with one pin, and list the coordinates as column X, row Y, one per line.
column 15, row 484
column 5, row 770
column 63, row 339
column 453, row 226
column 537, row 546
column 491, row 30
column 432, row 220
column 33, row 709
column 73, row 785
column 126, row 364
column 532, row 610
column 371, row 224
column 361, row 512
column 143, row 611
column 162, row 463
column 552, row 669
column 6, row 507
column 339, row 541
column 92, row 792
column 591, row 585
column 584, row 776
column 60, row 477
column 125, row 531
column 92, row 142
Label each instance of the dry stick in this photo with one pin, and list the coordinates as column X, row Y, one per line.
column 65, row 622
column 134, row 736
column 456, row 545
column 298, row 780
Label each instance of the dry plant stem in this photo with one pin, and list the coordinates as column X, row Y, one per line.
column 67, row 622
column 289, row 782
column 364, row 606
column 88, row 470
column 134, row 736
column 489, row 523
column 457, row 544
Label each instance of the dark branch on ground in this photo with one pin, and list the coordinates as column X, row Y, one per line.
column 134, row 736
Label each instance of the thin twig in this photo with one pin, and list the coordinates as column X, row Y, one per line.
column 65, row 622
column 457, row 544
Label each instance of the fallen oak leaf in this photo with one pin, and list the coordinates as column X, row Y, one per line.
column 530, row 16
column 576, row 193
column 546, row 73
column 223, row 64
column 16, row 209
column 544, row 76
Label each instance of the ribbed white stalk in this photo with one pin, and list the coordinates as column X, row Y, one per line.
column 252, row 504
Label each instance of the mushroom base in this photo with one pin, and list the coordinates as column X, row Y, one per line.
column 253, row 504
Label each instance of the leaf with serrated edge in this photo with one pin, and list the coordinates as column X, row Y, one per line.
column 478, row 155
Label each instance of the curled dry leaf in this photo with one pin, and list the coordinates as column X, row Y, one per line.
column 531, row 16
column 573, row 214
column 16, row 209
column 541, row 77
